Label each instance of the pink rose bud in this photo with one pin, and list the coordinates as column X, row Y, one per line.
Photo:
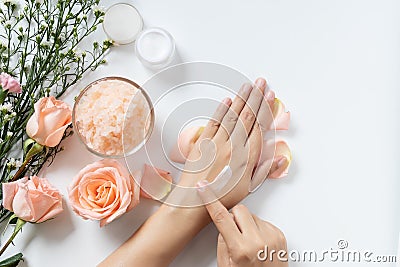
column 47, row 125
column 103, row 191
column 9, row 83
column 34, row 200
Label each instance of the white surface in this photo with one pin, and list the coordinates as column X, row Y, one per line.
column 336, row 65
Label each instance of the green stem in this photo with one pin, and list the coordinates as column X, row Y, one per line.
column 17, row 229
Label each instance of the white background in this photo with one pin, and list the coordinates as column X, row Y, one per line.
column 336, row 65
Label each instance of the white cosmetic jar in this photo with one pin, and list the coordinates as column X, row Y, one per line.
column 122, row 23
column 155, row 48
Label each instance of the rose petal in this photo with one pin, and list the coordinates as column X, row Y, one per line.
column 281, row 117
column 155, row 183
column 282, row 160
column 9, row 191
column 187, row 138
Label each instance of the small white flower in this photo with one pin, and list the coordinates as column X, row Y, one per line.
column 18, row 163
column 78, row 52
column 13, row 163
column 45, row 43
column 44, row 25
column 7, row 23
column 1, row 140
column 97, row 8
column 7, row 117
column 9, row 134
column 13, row 114
column 62, row 36
column 6, row 107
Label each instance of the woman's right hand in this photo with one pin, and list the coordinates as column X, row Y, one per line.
column 244, row 240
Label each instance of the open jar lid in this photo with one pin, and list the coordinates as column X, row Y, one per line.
column 122, row 23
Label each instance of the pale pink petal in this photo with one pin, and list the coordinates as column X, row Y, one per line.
column 281, row 116
column 42, row 205
column 22, row 204
column 55, row 210
column 187, row 138
column 10, row 83
column 155, row 183
column 54, row 138
column 9, row 191
column 282, row 160
column 32, row 126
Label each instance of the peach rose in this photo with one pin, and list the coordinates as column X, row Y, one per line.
column 9, row 83
column 33, row 200
column 47, row 125
column 103, row 191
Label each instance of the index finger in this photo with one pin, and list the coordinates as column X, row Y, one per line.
column 221, row 217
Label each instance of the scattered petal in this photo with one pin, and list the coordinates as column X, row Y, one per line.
column 186, row 140
column 155, row 183
column 281, row 117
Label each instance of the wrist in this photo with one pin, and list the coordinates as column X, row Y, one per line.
column 187, row 218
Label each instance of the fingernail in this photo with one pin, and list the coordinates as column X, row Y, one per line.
column 270, row 95
column 246, row 88
column 281, row 162
column 260, row 82
column 201, row 186
column 227, row 101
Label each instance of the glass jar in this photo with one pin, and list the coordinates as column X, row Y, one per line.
column 113, row 117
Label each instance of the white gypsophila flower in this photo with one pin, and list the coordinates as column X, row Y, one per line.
column 18, row 163
column 7, row 23
column 9, row 134
column 7, row 117
column 6, row 107
column 78, row 52
column 13, row 114
column 44, row 25
column 98, row 8
column 1, row 140
column 45, row 44
column 13, row 163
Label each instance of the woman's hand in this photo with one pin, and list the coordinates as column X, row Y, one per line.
column 233, row 137
column 244, row 240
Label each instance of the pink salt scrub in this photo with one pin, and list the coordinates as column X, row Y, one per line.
column 113, row 116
